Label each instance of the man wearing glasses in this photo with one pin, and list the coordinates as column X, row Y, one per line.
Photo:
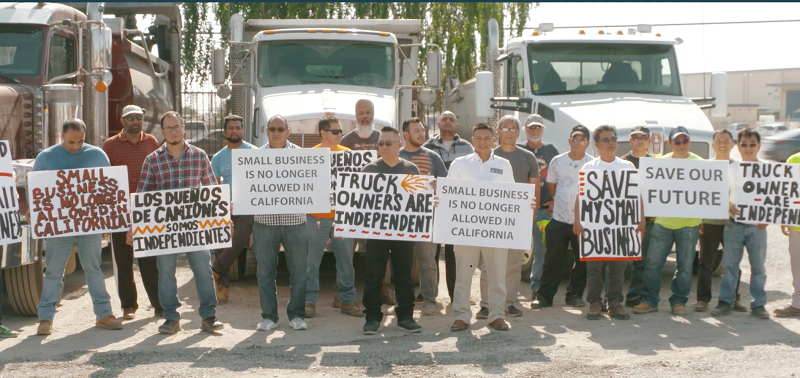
column 243, row 224
column 272, row 230
column 129, row 148
column 683, row 232
column 562, row 180
column 320, row 229
column 179, row 165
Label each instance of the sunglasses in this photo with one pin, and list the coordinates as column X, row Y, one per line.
column 579, row 141
column 678, row 142
column 751, row 145
column 608, row 140
column 335, row 132
column 387, row 143
column 276, row 129
column 132, row 116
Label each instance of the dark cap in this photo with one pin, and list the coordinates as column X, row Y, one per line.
column 580, row 129
column 680, row 130
column 640, row 130
column 534, row 119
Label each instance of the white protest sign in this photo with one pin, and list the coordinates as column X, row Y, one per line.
column 483, row 213
column 384, row 206
column 10, row 228
column 181, row 220
column 83, row 201
column 768, row 193
column 609, row 210
column 684, row 188
column 281, row 181
column 349, row 161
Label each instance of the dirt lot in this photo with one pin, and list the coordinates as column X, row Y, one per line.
column 557, row 341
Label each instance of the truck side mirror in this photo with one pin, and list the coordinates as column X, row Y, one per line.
column 218, row 66
column 484, row 91
column 100, row 57
column 433, row 69
column 719, row 90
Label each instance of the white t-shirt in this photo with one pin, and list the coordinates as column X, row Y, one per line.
column 471, row 167
column 564, row 172
column 616, row 165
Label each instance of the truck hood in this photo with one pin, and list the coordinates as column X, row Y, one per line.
column 15, row 109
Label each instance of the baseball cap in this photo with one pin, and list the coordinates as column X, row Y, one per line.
column 640, row 130
column 579, row 129
column 680, row 130
column 132, row 109
column 534, row 119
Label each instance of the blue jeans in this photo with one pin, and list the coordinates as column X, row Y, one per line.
column 200, row 263
column 56, row 257
column 539, row 250
column 318, row 235
column 737, row 236
column 661, row 240
column 266, row 245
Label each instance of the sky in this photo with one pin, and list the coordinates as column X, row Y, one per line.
column 708, row 48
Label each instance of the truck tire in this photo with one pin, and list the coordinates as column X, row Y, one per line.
column 239, row 267
column 24, row 287
column 527, row 265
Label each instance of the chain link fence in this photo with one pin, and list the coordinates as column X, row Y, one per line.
column 203, row 113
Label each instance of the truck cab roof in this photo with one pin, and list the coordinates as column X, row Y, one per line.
column 38, row 13
column 563, row 37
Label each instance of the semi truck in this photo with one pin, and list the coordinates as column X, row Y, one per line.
column 58, row 62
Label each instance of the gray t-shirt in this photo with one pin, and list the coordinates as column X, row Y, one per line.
column 427, row 161
column 356, row 143
column 544, row 155
column 404, row 167
column 523, row 163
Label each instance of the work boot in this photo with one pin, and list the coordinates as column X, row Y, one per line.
column 723, row 308
column 594, row 311
column 739, row 307
column 576, row 301
column 644, row 308
column 211, row 324
column 128, row 313
column 311, row 310
column 45, row 327
column 616, row 311
column 351, row 309
column 109, row 322
column 483, row 313
column 701, row 306
column 337, row 303
column 222, row 294
column 170, row 327
column 760, row 312
column 787, row 312
column 679, row 310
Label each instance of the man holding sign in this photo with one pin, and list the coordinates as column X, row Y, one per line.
column 179, row 165
column 605, row 139
column 73, row 153
column 793, row 232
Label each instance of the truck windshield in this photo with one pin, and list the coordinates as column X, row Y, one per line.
column 326, row 61
column 21, row 48
column 592, row 67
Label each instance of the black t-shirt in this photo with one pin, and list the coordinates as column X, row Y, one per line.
column 403, row 167
column 633, row 159
column 544, row 155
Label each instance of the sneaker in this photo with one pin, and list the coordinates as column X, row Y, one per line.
column 372, row 327
column 633, row 302
column 644, row 308
column 430, row 310
column 170, row 327
column 701, row 306
column 739, row 307
column 298, row 324
column 679, row 310
column 760, row 312
column 722, row 309
column 513, row 312
column 499, row 325
column 45, row 327
column 109, row 322
column 266, row 325
column 211, row 325
column 222, row 294
column 787, row 312
column 409, row 325
column 483, row 313
column 352, row 309
column 616, row 311
column 311, row 310
column 540, row 303
column 576, row 301
column 594, row 311
column 128, row 313
column 7, row 332
column 419, row 298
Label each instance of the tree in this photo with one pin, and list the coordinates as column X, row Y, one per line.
column 452, row 26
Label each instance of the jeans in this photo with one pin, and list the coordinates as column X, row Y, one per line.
column 511, row 274
column 595, row 270
column 539, row 250
column 428, row 271
column 123, row 272
column 200, row 263
column 637, row 268
column 319, row 230
column 56, row 257
column 737, row 237
column 225, row 257
column 379, row 252
column 266, row 244
column 794, row 258
column 661, row 240
column 559, row 238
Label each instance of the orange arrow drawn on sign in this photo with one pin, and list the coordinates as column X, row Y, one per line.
column 412, row 183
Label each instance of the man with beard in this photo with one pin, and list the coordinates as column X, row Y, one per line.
column 429, row 163
column 364, row 137
column 129, row 148
column 243, row 224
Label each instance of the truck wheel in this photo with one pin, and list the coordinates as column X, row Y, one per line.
column 238, row 268
column 415, row 272
column 24, row 287
column 527, row 265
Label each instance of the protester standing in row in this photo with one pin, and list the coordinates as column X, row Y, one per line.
column 793, row 309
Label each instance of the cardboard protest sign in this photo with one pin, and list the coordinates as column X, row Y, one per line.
column 281, row 181
column 181, row 220
column 10, row 228
column 768, row 193
column 83, row 201
column 349, row 161
column 384, row 206
column 684, row 188
column 609, row 208
column 484, row 213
